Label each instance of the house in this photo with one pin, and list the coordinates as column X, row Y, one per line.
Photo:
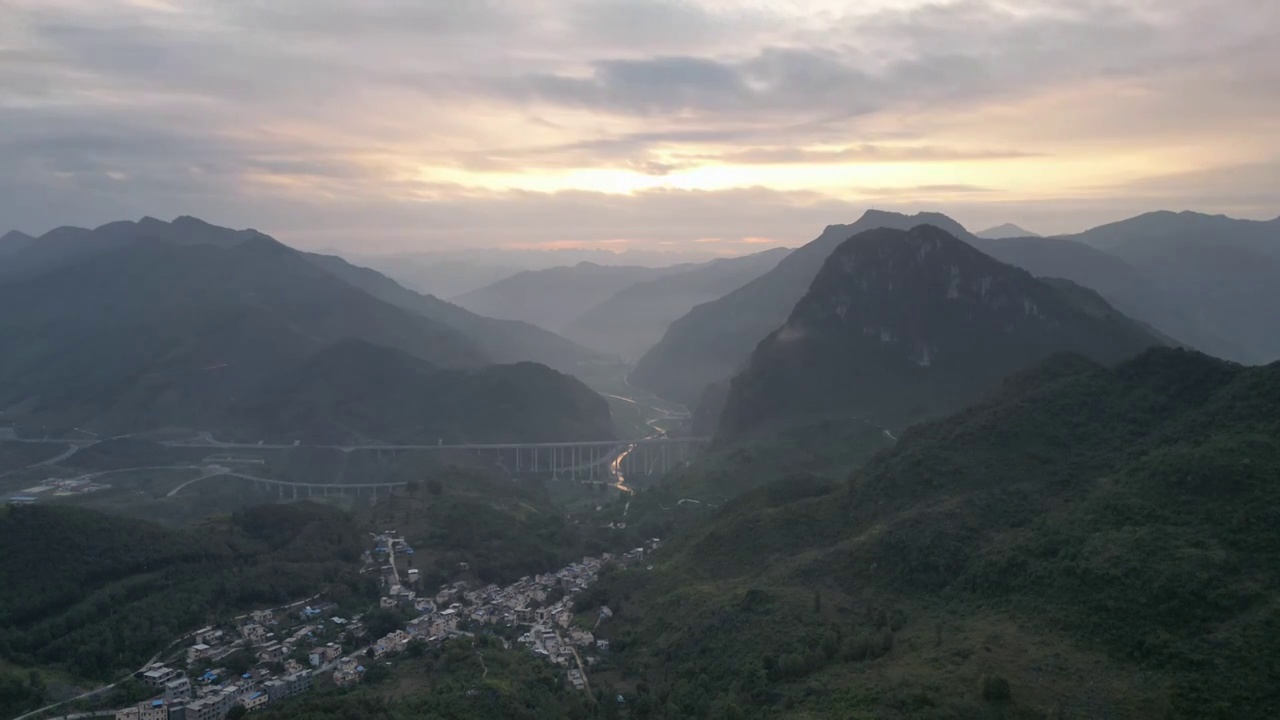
column 208, row 636
column 254, row 700
column 177, row 689
column 215, row 705
column 157, row 675
column 349, row 672
column 198, row 652
column 146, row 710
column 326, row 654
column 272, row 652
column 289, row 685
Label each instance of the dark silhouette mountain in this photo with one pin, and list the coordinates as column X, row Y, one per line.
column 1129, row 289
column 156, row 333
column 1221, row 273
column 900, row 325
column 13, row 242
column 1007, row 230
column 1157, row 235
column 67, row 244
column 634, row 319
column 503, row 341
column 1092, row 540
column 714, row 339
column 553, row 298
column 354, row 390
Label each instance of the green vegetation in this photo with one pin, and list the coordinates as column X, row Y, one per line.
column 502, row 529
column 904, row 325
column 355, row 390
column 712, row 341
column 202, row 327
column 466, row 679
column 98, row 595
column 1089, row 542
column 16, row 455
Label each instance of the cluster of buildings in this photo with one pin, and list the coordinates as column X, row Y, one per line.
column 282, row 642
column 543, row 603
column 291, row 650
column 209, row 699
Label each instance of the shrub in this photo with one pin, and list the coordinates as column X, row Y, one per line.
column 995, row 688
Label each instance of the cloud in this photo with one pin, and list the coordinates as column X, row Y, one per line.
column 400, row 115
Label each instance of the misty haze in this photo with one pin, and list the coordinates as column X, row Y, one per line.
column 639, row 359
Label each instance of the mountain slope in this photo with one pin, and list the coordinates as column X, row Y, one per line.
column 359, row 392
column 1007, row 230
column 903, row 324
column 157, row 333
column 1088, row 542
column 713, row 340
column 503, row 341
column 1221, row 273
column 14, row 242
column 69, row 244
column 553, row 298
column 124, row 589
column 1131, row 290
column 632, row 320
column 1157, row 235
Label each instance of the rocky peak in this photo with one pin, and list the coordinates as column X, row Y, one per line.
column 902, row 324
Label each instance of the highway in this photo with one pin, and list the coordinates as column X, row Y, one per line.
column 211, row 443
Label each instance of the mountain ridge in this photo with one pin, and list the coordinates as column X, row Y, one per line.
column 633, row 319
column 900, row 325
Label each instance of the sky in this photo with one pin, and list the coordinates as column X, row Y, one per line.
column 401, row 125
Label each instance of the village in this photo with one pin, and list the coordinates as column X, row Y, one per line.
column 270, row 655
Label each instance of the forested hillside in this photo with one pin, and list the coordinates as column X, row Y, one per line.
column 900, row 325
column 96, row 595
column 1090, row 542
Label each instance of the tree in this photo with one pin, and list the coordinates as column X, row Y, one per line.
column 817, row 601
column 237, row 712
column 995, row 688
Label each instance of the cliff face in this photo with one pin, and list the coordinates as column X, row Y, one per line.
column 900, row 325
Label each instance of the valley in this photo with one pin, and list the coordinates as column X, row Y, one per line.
column 912, row 482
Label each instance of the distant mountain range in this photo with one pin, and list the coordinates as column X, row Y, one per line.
column 1007, row 230
column 900, row 325
column 136, row 326
column 633, row 319
column 1220, row 273
column 502, row 341
column 13, row 242
column 713, row 341
column 1212, row 289
column 555, row 297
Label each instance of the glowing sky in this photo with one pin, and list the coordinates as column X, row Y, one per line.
column 394, row 124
